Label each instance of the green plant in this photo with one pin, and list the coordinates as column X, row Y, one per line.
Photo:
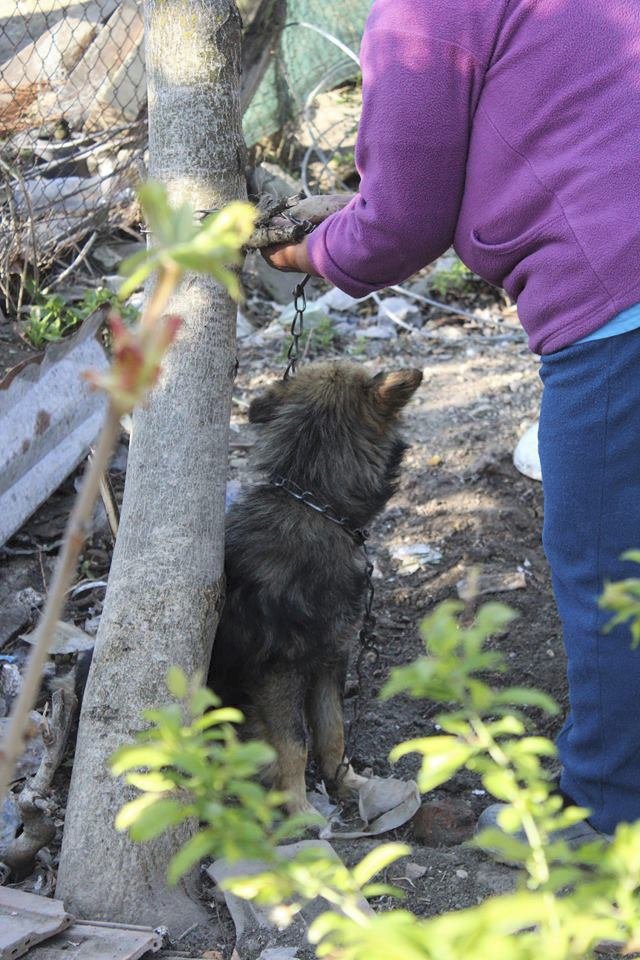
column 51, row 318
column 211, row 247
column 622, row 599
column 567, row 902
column 455, row 279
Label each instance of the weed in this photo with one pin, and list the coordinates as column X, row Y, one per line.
column 51, row 318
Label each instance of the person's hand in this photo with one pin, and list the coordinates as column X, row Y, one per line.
column 289, row 257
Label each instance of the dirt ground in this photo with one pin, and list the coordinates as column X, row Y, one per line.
column 459, row 494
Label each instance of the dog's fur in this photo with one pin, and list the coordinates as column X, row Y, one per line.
column 295, row 580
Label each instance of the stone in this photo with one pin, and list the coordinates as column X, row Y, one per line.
column 444, row 823
column 399, row 307
column 377, row 331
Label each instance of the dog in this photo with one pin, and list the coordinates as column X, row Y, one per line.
column 295, row 577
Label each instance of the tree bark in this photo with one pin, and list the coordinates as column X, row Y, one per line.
column 166, row 579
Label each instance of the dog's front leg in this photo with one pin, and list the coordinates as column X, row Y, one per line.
column 279, row 700
column 327, row 723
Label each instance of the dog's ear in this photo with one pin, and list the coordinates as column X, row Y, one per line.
column 264, row 408
column 393, row 390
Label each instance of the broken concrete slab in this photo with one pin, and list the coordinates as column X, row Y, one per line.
column 26, row 920
column 49, row 418
column 87, row 940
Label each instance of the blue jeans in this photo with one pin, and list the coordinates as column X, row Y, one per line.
column 589, row 441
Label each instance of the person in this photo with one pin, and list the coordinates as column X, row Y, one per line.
column 510, row 129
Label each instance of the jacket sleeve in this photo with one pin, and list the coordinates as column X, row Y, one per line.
column 420, row 86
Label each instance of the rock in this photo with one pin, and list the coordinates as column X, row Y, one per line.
column 243, row 326
column 67, row 638
column 413, row 871
column 444, row 823
column 277, row 284
column 496, row 879
column 336, row 299
column 377, row 332
column 314, row 315
column 18, row 603
column 400, row 307
column 10, row 683
column 34, row 747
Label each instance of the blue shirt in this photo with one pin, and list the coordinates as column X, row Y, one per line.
column 622, row 323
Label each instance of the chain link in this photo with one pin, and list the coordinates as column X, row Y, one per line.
column 297, row 327
column 367, row 637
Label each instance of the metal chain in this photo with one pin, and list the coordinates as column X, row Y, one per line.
column 367, row 638
column 358, row 534
column 297, row 327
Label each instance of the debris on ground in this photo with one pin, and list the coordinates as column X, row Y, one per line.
column 27, row 920
column 67, row 638
column 412, row 557
column 526, row 458
column 258, row 928
column 383, row 804
column 487, row 583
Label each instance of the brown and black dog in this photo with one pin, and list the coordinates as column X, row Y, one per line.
column 295, row 580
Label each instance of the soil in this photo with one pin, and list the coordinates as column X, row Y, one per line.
column 459, row 493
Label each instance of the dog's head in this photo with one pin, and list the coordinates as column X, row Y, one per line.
column 338, row 390
column 335, row 429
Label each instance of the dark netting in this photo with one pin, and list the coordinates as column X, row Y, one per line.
column 72, row 126
column 73, row 116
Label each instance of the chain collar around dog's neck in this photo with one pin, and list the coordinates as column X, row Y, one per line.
column 358, row 534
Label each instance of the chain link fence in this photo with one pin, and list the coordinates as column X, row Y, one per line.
column 73, row 120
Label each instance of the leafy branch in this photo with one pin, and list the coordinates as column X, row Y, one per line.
column 180, row 245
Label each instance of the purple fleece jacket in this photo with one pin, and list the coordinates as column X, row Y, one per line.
column 510, row 129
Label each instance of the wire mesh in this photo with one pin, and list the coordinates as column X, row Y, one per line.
column 73, row 116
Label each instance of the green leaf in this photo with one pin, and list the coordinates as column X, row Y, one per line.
column 203, row 698
column 157, row 818
column 152, row 756
column 377, row 860
column 129, row 813
column 177, row 683
column 527, row 697
column 442, row 757
column 153, row 782
column 217, row 717
column 199, row 846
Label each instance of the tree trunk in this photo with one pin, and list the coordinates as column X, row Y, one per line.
column 166, row 580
